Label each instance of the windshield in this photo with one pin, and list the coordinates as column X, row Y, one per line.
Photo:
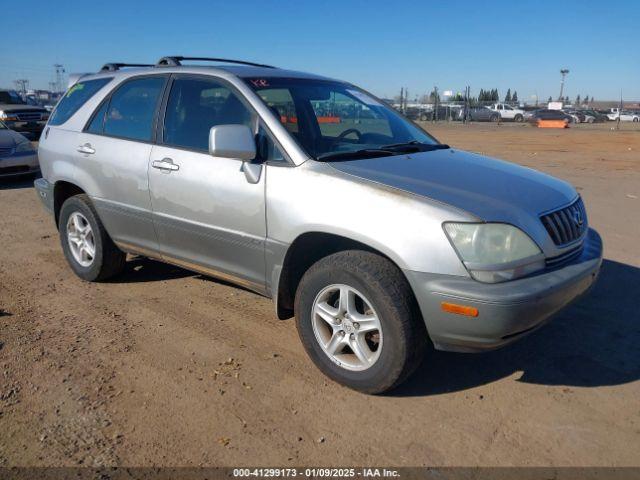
column 332, row 119
column 10, row 98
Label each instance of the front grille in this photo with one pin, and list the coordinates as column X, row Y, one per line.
column 6, row 151
column 567, row 224
column 29, row 116
column 16, row 169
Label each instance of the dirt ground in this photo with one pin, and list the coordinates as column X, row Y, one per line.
column 164, row 367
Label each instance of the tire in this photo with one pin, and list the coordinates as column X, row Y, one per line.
column 401, row 337
column 636, row 119
column 494, row 118
column 107, row 260
column 423, row 117
column 518, row 118
column 591, row 120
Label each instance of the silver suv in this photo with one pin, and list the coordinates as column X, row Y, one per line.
column 315, row 193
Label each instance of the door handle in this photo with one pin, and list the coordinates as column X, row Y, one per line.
column 86, row 148
column 165, row 164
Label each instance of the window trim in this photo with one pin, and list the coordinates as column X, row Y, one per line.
column 107, row 99
column 256, row 119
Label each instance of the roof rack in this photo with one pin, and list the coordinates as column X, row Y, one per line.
column 175, row 61
column 112, row 67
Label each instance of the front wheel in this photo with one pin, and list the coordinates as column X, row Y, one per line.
column 89, row 250
column 518, row 118
column 359, row 322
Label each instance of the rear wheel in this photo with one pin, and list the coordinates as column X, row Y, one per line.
column 636, row 119
column 518, row 118
column 91, row 253
column 359, row 322
column 494, row 118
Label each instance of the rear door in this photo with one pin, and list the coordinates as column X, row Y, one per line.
column 113, row 157
column 207, row 215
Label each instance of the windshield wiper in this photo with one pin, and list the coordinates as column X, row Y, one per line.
column 414, row 146
column 355, row 154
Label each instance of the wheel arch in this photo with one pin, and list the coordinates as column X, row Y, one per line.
column 304, row 251
column 62, row 190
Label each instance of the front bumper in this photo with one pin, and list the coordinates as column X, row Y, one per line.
column 506, row 311
column 19, row 164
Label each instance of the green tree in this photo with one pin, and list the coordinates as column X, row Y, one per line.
column 507, row 97
column 578, row 99
column 514, row 97
column 550, row 99
column 586, row 100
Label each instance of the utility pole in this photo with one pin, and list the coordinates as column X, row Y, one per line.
column 59, row 69
column 435, row 103
column 21, row 85
column 619, row 112
column 563, row 72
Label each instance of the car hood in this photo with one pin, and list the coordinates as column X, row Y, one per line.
column 9, row 138
column 490, row 189
column 8, row 107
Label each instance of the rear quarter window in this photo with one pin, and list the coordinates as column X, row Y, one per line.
column 75, row 98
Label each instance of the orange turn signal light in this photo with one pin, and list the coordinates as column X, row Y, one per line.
column 459, row 309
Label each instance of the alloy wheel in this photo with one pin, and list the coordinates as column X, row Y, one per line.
column 347, row 327
column 81, row 240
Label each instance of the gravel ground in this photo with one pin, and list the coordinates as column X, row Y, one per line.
column 163, row 367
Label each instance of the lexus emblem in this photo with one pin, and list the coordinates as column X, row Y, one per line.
column 577, row 217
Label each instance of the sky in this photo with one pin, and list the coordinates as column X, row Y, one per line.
column 378, row 45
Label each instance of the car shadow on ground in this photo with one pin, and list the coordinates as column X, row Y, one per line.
column 142, row 269
column 16, row 183
column 595, row 342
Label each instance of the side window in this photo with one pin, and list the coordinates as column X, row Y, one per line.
column 75, row 98
column 194, row 106
column 268, row 151
column 131, row 109
column 97, row 122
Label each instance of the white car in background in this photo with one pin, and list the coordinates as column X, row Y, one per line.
column 625, row 116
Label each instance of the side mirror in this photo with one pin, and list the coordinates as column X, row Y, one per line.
column 232, row 141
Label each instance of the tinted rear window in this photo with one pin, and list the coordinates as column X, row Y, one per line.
column 75, row 97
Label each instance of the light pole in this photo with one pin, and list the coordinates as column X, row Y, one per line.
column 563, row 72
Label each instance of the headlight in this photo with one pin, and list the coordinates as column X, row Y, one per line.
column 494, row 252
column 24, row 147
column 7, row 116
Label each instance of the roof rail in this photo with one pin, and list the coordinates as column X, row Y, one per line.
column 112, row 67
column 175, row 61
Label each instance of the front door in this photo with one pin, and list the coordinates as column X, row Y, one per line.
column 207, row 215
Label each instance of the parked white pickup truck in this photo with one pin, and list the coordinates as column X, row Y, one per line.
column 507, row 112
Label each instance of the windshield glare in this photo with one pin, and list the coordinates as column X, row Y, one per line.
column 326, row 117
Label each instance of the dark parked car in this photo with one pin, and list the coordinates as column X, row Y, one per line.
column 546, row 114
column 18, row 115
column 480, row 114
column 598, row 117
